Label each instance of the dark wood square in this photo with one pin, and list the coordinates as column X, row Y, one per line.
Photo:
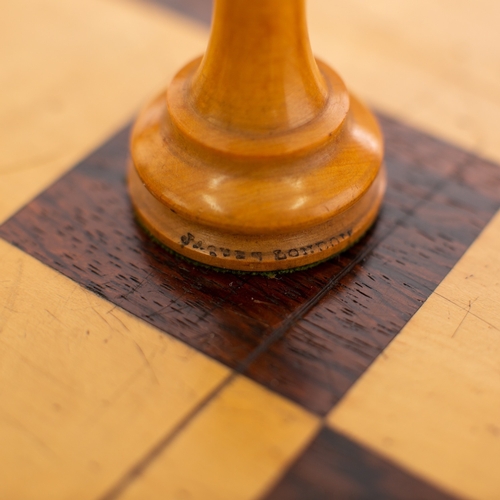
column 307, row 335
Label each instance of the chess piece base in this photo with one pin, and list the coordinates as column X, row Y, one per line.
column 256, row 208
column 254, row 252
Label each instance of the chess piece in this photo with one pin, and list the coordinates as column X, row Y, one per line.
column 256, row 157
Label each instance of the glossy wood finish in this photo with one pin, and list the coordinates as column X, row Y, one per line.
column 261, row 162
column 258, row 75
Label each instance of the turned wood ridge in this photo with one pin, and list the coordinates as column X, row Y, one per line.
column 256, row 157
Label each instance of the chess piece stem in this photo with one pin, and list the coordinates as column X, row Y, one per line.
column 258, row 74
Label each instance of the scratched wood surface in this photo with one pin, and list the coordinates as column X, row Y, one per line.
column 277, row 331
column 157, row 379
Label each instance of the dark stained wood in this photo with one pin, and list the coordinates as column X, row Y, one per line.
column 326, row 350
column 307, row 335
column 336, row 467
column 201, row 10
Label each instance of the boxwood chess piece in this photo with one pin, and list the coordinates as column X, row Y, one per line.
column 256, row 157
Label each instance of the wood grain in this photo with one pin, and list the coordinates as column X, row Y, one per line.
column 403, row 259
column 335, row 467
column 83, row 227
column 431, row 402
column 66, row 87
column 445, row 82
column 235, row 449
column 85, row 387
column 434, row 65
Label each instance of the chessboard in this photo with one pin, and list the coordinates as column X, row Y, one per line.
column 128, row 373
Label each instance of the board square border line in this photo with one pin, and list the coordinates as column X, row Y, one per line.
column 307, row 336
